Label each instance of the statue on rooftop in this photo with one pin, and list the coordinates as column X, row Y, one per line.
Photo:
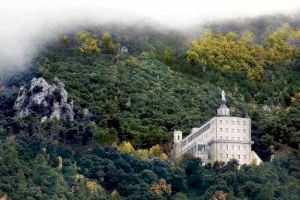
column 223, row 96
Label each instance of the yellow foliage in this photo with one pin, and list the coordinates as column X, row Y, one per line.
column 164, row 156
column 94, row 187
column 161, row 187
column 218, row 195
column 107, row 41
column 87, row 43
column 142, row 153
column 79, row 177
column 126, row 147
column 229, row 52
column 247, row 36
column 280, row 45
column 115, row 194
column 155, row 151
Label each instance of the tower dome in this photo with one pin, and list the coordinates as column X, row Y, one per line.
column 223, row 110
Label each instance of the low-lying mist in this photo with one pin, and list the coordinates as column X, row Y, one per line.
column 27, row 26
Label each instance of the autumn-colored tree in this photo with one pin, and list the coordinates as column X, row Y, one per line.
column 126, row 147
column 155, row 151
column 108, row 42
column 142, row 153
column 281, row 46
column 218, row 195
column 87, row 43
column 161, row 187
column 228, row 52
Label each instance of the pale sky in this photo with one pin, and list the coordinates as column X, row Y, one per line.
column 27, row 24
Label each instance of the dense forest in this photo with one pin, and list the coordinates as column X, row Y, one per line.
column 139, row 84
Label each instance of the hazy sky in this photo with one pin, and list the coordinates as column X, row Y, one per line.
column 28, row 24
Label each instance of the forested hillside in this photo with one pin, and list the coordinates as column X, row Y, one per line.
column 137, row 85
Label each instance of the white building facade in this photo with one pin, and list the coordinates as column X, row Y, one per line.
column 222, row 138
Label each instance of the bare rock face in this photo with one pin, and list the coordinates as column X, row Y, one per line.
column 50, row 101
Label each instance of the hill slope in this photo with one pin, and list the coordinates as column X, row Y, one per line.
column 141, row 97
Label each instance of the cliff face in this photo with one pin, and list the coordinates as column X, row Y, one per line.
column 50, row 101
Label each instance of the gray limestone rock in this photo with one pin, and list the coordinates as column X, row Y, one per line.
column 50, row 101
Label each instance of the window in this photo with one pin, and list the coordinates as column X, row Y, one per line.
column 221, row 155
column 244, row 147
column 221, row 146
column 239, row 138
column 226, row 155
column 244, row 157
column 226, row 130
column 232, row 138
column 238, row 130
column 220, row 129
column 232, row 122
column 221, row 137
column 232, row 146
column 226, row 138
column 239, row 157
column 226, row 146
column 239, row 148
column 244, row 130
column 238, row 122
column 232, row 155
column 244, row 138
column 220, row 121
column 244, row 122
column 178, row 137
column 226, row 121
column 232, row 130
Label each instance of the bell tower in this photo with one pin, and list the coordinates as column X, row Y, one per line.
column 177, row 136
column 177, row 143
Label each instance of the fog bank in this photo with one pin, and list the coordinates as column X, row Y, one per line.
column 27, row 25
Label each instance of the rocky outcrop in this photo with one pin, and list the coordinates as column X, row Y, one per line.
column 49, row 101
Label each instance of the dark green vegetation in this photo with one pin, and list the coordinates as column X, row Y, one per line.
column 161, row 84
